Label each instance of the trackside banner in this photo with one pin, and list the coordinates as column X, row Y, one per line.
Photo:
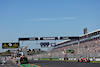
column 10, row 45
column 47, row 38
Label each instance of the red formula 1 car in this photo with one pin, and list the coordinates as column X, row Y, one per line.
column 83, row 60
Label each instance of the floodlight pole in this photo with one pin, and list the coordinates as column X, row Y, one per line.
column 78, row 48
column 88, row 46
column 55, row 41
column 18, row 47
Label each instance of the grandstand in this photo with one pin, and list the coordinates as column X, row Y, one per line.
column 89, row 47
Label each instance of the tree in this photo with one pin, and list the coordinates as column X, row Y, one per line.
column 29, row 49
column 33, row 50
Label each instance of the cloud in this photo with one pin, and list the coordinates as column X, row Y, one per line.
column 43, row 19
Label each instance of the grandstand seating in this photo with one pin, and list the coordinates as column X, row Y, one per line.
column 89, row 47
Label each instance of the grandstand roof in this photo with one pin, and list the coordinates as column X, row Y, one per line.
column 90, row 32
column 64, row 41
column 79, row 36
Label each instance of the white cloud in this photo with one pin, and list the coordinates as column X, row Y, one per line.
column 39, row 19
column 43, row 19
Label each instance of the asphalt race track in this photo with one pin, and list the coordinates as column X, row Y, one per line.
column 64, row 64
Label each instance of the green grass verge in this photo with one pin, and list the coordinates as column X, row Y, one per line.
column 95, row 61
column 49, row 59
column 71, row 60
column 57, row 59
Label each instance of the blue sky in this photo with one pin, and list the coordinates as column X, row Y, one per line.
column 47, row 18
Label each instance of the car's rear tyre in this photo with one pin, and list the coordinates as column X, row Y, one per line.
column 78, row 60
column 88, row 60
